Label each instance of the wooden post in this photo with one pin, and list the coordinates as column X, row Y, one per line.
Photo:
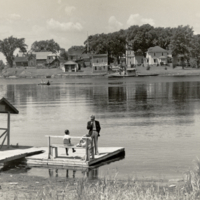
column 87, row 156
column 8, row 131
column 92, row 150
column 56, row 152
column 49, row 143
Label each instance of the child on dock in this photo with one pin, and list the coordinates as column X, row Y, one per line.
column 82, row 142
column 67, row 141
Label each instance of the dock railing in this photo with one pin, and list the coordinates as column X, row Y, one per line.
column 89, row 149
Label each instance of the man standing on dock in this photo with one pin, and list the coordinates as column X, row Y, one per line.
column 94, row 129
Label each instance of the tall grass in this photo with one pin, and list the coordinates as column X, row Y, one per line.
column 113, row 189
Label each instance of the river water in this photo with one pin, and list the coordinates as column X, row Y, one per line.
column 156, row 119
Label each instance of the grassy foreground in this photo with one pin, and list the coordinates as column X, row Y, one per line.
column 109, row 189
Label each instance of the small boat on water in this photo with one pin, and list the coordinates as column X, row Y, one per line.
column 129, row 72
column 44, row 83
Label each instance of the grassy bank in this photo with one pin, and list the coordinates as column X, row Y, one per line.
column 169, row 71
column 18, row 186
column 32, row 72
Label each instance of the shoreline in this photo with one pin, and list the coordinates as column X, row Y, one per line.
column 55, row 73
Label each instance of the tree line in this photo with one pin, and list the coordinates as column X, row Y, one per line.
column 179, row 40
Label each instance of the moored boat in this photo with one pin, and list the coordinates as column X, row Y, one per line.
column 142, row 75
column 129, row 72
column 44, row 83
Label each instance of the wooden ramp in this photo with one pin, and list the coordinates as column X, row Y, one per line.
column 11, row 155
column 76, row 159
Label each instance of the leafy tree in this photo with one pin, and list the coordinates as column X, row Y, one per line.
column 178, row 40
column 117, row 44
column 45, row 45
column 112, row 44
column 78, row 49
column 163, row 37
column 1, row 65
column 9, row 45
column 181, row 41
column 142, row 37
column 64, row 55
column 195, row 50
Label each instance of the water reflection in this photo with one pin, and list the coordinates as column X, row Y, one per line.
column 55, row 173
column 146, row 117
column 71, row 173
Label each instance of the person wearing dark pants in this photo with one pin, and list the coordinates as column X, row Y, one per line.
column 94, row 129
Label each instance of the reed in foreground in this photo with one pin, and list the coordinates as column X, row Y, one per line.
column 113, row 189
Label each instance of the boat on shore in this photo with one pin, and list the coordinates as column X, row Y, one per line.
column 143, row 75
column 129, row 72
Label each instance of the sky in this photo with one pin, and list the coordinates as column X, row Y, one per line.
column 69, row 22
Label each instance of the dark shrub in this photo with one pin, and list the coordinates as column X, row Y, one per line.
column 148, row 67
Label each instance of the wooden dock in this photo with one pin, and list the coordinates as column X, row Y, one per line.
column 76, row 159
column 11, row 155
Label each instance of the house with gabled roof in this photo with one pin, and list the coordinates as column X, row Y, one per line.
column 134, row 58
column 41, row 57
column 25, row 60
column 156, row 55
column 21, row 61
column 37, row 58
column 99, row 63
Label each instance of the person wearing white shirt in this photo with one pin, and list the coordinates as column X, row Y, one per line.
column 67, row 141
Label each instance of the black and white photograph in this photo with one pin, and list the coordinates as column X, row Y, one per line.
column 99, row 100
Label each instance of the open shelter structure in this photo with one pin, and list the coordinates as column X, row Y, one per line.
column 7, row 107
column 71, row 66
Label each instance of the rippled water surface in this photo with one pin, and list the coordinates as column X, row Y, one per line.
column 156, row 119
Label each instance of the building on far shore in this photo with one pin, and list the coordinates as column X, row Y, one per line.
column 21, row 61
column 99, row 63
column 71, row 66
column 34, row 59
column 156, row 56
column 134, row 58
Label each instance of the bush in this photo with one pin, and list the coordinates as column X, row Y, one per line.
column 193, row 64
column 148, row 67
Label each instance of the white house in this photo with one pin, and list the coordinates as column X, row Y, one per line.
column 156, row 55
column 99, row 63
column 133, row 58
column 71, row 66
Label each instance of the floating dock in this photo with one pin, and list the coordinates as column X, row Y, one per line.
column 76, row 159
